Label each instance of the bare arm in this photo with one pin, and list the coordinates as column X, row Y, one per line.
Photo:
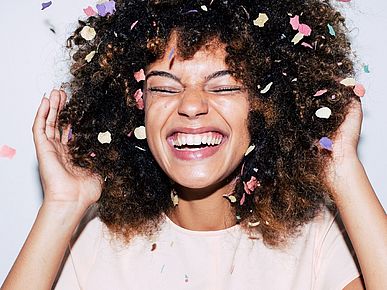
column 362, row 214
column 68, row 193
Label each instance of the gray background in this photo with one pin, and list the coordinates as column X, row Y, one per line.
column 33, row 61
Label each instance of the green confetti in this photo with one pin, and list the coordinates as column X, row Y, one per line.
column 331, row 30
column 366, row 69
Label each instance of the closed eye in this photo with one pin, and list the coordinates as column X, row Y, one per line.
column 163, row 90
column 225, row 90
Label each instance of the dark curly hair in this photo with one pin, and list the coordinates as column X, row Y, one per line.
column 287, row 160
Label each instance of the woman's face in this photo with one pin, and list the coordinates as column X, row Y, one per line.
column 196, row 118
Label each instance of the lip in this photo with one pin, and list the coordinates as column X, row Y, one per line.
column 198, row 154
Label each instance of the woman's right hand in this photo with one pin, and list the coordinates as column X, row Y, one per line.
column 63, row 184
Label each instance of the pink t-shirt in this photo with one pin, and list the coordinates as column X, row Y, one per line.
column 177, row 258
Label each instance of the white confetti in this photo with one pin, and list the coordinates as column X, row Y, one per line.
column 297, row 38
column 140, row 133
column 267, row 88
column 251, row 148
column 104, row 137
column 90, row 56
column 254, row 224
column 348, row 82
column 323, row 113
column 88, row 33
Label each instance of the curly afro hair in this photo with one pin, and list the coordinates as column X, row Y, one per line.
column 287, row 160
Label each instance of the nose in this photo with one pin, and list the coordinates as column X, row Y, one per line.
column 193, row 104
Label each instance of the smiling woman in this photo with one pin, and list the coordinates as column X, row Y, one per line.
column 218, row 140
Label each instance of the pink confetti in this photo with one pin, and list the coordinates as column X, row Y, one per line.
column 242, row 201
column 92, row 154
column 295, row 22
column 320, row 93
column 133, row 24
column 89, row 11
column 306, row 45
column 305, row 29
column 139, row 75
column 359, row 90
column 139, row 100
column 7, row 152
column 251, row 185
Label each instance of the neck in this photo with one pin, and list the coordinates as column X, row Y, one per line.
column 204, row 209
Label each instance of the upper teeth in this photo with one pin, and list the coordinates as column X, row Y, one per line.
column 209, row 138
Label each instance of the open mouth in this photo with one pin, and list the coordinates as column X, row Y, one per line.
column 195, row 146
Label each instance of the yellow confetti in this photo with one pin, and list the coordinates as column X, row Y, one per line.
column 267, row 88
column 251, row 148
column 204, row 8
column 254, row 224
column 230, row 198
column 88, row 33
column 175, row 199
column 323, row 113
column 140, row 133
column 297, row 38
column 348, row 82
column 261, row 20
column 90, row 56
column 104, row 137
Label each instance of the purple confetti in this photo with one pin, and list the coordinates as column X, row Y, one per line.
column 106, row 8
column 171, row 53
column 46, row 5
column 326, row 143
column 191, row 11
column 70, row 136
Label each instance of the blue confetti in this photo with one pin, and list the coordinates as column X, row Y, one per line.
column 326, row 143
column 46, row 5
column 331, row 30
column 366, row 69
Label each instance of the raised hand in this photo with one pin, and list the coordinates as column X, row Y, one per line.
column 62, row 182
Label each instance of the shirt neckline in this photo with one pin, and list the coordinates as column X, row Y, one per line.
column 215, row 233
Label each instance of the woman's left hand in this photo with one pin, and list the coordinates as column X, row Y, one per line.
column 345, row 144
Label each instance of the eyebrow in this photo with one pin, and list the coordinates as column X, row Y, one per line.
column 171, row 76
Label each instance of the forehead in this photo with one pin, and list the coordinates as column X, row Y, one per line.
column 210, row 57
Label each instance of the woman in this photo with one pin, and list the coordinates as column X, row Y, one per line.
column 252, row 122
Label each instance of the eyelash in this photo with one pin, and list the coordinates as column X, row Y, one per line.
column 226, row 89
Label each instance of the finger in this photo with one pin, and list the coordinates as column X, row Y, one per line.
column 52, row 114
column 62, row 101
column 39, row 126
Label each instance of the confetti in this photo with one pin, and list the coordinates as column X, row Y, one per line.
column 261, row 20
column 297, row 38
column 162, row 268
column 139, row 100
column 139, row 148
column 133, row 24
column 140, row 133
column 359, row 90
column 105, row 137
column 323, row 113
column 175, row 200
column 204, row 8
column 231, row 198
column 366, row 68
column 106, row 8
column 89, row 11
column 186, row 278
column 139, row 75
column 242, row 201
column 250, row 149
column 46, row 5
column 70, row 135
column 253, row 224
column 90, row 56
column 88, row 33
column 348, row 82
column 295, row 22
column 306, row 45
column 304, row 29
column 251, row 185
column 92, row 154
column 326, row 143
column 320, row 93
column 154, row 246
column 331, row 30
column 7, row 152
column 171, row 53
column 267, row 88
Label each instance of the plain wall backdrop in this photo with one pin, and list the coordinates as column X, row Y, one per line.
column 33, row 60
